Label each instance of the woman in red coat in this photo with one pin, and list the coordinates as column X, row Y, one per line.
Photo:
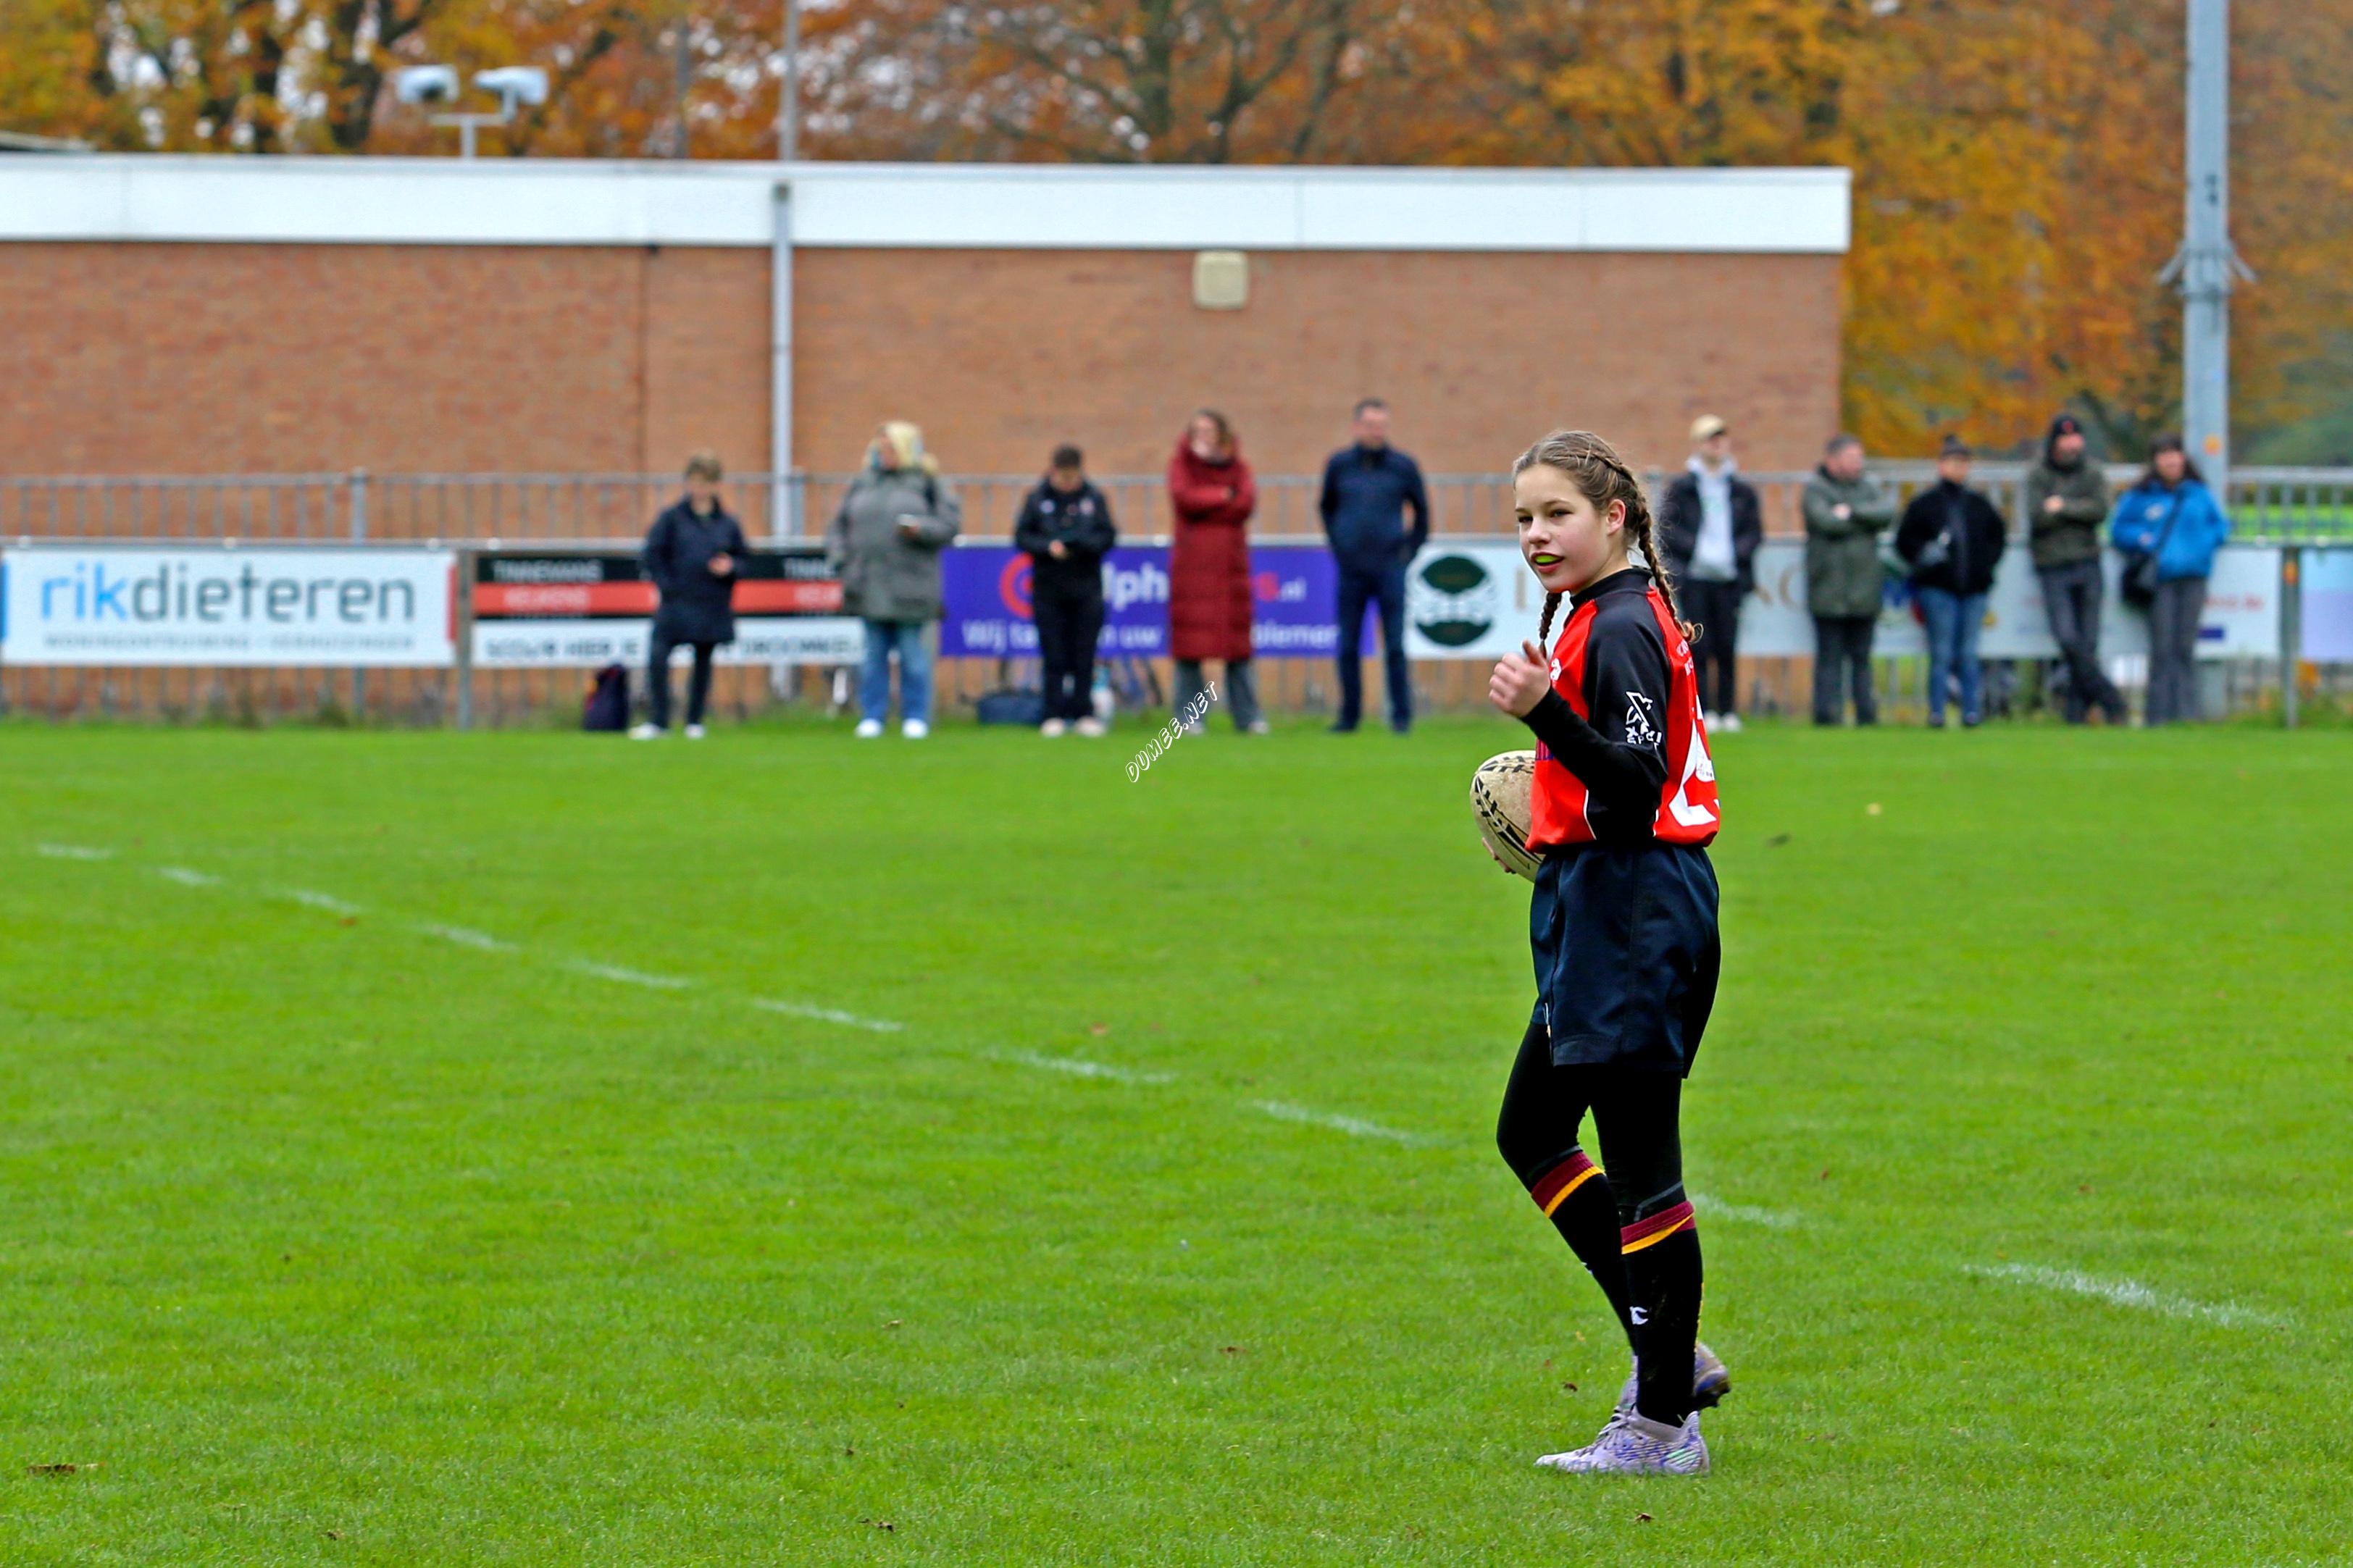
column 1209, row 571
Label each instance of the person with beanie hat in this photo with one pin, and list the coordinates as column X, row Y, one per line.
column 2066, row 501
column 1710, row 523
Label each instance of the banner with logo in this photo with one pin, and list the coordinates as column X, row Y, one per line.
column 540, row 609
column 2242, row 619
column 1468, row 599
column 344, row 606
column 1471, row 600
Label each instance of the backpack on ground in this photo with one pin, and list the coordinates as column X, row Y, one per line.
column 607, row 706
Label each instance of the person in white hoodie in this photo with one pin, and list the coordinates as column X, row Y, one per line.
column 1709, row 524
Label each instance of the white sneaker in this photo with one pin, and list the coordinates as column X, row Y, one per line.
column 914, row 728
column 869, row 729
column 1094, row 728
column 647, row 732
column 1711, row 718
column 1053, row 728
column 694, row 732
column 1729, row 724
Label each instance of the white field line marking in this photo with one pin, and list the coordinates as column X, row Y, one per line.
column 1780, row 1219
column 1078, row 1066
column 828, row 1015
column 614, row 971
column 187, row 878
column 72, row 852
column 464, row 936
column 327, row 902
column 1354, row 1127
column 2128, row 1293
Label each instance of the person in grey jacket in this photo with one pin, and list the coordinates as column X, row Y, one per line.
column 2066, row 502
column 692, row 554
column 1845, row 512
column 885, row 541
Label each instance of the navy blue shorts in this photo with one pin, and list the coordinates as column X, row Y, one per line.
column 1625, row 953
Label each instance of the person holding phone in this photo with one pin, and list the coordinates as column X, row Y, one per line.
column 885, row 541
column 692, row 553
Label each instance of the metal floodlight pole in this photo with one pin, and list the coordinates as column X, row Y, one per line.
column 788, row 99
column 2206, row 267
column 784, row 500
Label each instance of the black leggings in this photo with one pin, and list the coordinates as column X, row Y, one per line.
column 698, row 685
column 1632, row 1228
column 1636, row 1114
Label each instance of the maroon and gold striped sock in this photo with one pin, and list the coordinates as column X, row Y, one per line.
column 1663, row 1276
column 1575, row 1195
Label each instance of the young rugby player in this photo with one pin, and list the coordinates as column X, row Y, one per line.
column 1623, row 929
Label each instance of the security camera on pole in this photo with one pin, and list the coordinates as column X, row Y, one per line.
column 513, row 86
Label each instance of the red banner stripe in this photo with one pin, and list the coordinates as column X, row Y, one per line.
column 538, row 601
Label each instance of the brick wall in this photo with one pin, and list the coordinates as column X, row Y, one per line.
column 130, row 358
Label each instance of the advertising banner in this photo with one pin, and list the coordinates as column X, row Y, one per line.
column 2242, row 619
column 226, row 604
column 986, row 592
column 1471, row 599
column 2328, row 606
column 540, row 609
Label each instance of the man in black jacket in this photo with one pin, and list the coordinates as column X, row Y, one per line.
column 693, row 553
column 1952, row 538
column 1368, row 487
column 1066, row 527
column 1709, row 526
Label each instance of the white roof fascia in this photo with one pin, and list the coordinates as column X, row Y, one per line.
column 1027, row 207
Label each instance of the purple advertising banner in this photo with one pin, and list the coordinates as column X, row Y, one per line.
column 1294, row 590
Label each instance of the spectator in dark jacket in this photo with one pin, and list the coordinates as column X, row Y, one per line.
column 1368, row 487
column 692, row 553
column 2066, row 501
column 1709, row 527
column 1066, row 527
column 1951, row 537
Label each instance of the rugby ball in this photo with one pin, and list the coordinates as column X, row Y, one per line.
column 1499, row 802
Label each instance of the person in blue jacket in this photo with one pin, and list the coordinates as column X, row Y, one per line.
column 2172, row 516
column 1368, row 487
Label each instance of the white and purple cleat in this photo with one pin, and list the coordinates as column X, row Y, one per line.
column 1634, row 1445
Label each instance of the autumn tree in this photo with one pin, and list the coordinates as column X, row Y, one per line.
column 2017, row 166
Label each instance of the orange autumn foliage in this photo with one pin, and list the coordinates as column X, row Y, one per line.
column 2017, row 165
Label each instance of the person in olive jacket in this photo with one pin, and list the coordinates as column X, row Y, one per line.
column 1952, row 538
column 885, row 541
column 1066, row 528
column 692, row 553
column 2066, row 502
column 1845, row 511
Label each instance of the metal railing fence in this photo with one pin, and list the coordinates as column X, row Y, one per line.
column 2283, row 506
column 2266, row 505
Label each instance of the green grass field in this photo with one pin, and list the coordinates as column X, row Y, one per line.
column 455, row 1149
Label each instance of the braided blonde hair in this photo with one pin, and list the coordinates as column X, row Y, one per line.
column 1602, row 476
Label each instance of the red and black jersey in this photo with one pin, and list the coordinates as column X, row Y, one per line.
column 1622, row 754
